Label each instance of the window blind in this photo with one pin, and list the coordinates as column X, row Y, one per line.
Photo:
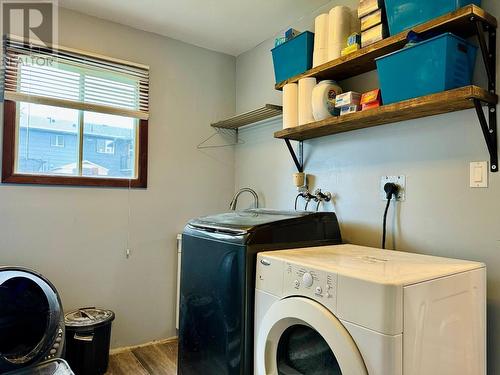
column 73, row 79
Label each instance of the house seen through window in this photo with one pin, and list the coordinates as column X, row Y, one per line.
column 107, row 140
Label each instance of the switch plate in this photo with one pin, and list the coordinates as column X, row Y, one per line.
column 398, row 180
column 478, row 174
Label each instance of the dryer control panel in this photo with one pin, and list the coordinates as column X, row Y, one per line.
column 315, row 284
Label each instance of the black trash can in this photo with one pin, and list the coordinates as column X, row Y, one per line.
column 88, row 335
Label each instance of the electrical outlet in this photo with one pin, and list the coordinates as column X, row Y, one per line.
column 398, row 180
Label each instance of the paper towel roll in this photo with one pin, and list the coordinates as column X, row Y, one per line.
column 323, row 99
column 306, row 87
column 290, row 105
column 320, row 56
column 339, row 28
column 355, row 22
column 321, row 32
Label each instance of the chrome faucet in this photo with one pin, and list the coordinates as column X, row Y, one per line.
column 234, row 201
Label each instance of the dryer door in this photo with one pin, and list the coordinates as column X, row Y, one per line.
column 300, row 336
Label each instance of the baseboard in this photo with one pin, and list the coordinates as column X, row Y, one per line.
column 128, row 348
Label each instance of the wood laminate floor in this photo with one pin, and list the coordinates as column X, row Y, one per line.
column 154, row 359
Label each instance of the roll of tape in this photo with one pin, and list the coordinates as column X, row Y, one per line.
column 323, row 99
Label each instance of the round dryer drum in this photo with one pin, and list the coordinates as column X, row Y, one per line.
column 299, row 336
column 31, row 319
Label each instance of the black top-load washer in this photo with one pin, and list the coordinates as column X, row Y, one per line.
column 218, row 282
column 31, row 319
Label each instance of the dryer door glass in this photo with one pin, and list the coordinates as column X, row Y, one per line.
column 24, row 317
column 302, row 350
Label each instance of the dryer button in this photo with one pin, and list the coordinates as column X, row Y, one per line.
column 318, row 290
column 296, row 283
column 53, row 351
column 307, row 279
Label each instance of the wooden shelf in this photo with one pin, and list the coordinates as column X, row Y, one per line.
column 435, row 104
column 261, row 114
column 363, row 60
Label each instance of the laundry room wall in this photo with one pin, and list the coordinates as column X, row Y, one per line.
column 441, row 215
column 77, row 237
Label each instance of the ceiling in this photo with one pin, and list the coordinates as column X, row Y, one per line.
column 229, row 26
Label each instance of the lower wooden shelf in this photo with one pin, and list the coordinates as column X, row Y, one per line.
column 435, row 104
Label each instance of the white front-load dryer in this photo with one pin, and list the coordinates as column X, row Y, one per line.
column 354, row 310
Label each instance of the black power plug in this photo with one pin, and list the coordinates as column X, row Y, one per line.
column 391, row 189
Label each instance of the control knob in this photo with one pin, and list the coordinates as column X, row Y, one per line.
column 307, row 279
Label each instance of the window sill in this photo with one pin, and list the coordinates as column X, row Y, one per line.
column 76, row 181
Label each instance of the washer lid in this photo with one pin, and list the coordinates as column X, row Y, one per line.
column 244, row 221
column 88, row 317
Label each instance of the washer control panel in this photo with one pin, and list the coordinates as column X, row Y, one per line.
column 57, row 347
column 315, row 284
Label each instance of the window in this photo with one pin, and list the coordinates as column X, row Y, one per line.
column 74, row 119
column 57, row 140
column 105, row 146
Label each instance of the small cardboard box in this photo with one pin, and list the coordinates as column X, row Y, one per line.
column 371, row 99
column 347, row 99
column 373, row 35
column 350, row 49
column 372, row 19
column 349, row 109
column 291, row 33
column 369, row 6
column 353, row 39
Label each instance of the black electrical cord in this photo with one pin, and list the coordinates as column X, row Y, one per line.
column 385, row 222
column 391, row 190
column 296, row 199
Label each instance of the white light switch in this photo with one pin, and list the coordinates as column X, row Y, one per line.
column 479, row 174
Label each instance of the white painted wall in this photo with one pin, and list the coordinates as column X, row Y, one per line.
column 441, row 216
column 77, row 236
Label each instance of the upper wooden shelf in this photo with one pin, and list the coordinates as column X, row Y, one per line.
column 435, row 104
column 363, row 60
column 251, row 117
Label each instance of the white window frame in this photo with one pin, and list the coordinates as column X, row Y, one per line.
column 109, row 150
column 57, row 137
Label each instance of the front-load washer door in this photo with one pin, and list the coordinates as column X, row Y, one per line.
column 300, row 336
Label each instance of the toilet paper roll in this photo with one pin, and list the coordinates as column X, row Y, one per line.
column 320, row 56
column 306, row 87
column 290, row 105
column 339, row 28
column 323, row 99
column 321, row 32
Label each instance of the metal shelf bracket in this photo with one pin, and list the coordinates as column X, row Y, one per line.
column 297, row 159
column 488, row 127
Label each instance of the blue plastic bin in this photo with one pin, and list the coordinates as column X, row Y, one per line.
column 442, row 63
column 293, row 57
column 404, row 14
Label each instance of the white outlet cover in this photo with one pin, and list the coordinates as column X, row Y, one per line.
column 398, row 180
